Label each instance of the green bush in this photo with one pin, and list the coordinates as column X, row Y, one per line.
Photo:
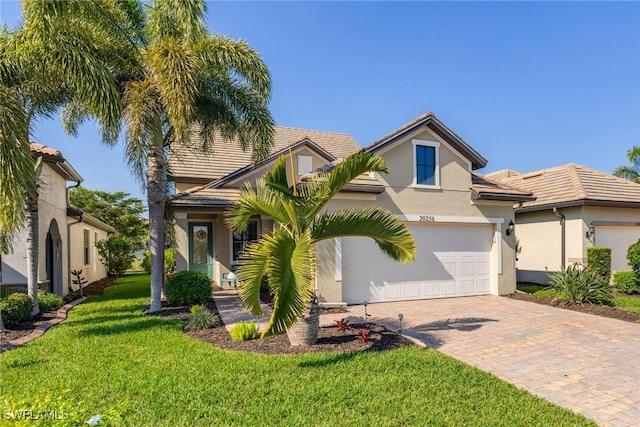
column 627, row 282
column 116, row 253
column 15, row 308
column 577, row 284
column 71, row 296
column 201, row 318
column 245, row 331
column 169, row 260
column 49, row 302
column 633, row 255
column 599, row 261
column 187, row 288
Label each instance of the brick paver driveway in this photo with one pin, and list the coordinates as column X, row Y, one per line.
column 585, row 363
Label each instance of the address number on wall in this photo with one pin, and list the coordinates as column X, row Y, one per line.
column 427, row 218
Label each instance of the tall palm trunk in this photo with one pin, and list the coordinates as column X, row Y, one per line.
column 156, row 194
column 32, row 251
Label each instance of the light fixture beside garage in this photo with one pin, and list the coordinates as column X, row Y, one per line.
column 591, row 232
column 510, row 228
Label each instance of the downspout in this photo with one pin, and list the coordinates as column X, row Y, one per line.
column 562, row 234
column 69, row 282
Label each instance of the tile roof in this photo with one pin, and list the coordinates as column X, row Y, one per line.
column 489, row 189
column 227, row 156
column 39, row 150
column 438, row 127
column 571, row 184
column 208, row 198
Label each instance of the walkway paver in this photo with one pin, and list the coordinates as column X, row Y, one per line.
column 232, row 311
column 586, row 363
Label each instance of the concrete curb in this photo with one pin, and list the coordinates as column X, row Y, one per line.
column 40, row 330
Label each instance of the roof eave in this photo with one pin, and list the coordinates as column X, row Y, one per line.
column 505, row 197
column 582, row 202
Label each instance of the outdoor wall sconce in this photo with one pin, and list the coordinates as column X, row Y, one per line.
column 510, row 228
column 591, row 232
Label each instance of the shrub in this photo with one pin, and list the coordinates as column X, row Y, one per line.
column 188, row 288
column 116, row 253
column 169, row 261
column 578, row 284
column 627, row 282
column 599, row 261
column 15, row 308
column 71, row 296
column 49, row 302
column 245, row 331
column 201, row 318
column 633, row 255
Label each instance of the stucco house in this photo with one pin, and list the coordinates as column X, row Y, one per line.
column 459, row 219
column 575, row 208
column 66, row 236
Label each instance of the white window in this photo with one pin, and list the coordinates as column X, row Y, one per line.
column 426, row 164
column 305, row 164
column 87, row 257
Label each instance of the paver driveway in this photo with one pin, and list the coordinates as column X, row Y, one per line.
column 585, row 363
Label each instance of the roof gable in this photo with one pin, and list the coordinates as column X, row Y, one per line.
column 439, row 128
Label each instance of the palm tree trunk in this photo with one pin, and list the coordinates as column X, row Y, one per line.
column 156, row 189
column 32, row 251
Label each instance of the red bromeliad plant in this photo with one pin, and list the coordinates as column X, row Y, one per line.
column 342, row 325
column 363, row 335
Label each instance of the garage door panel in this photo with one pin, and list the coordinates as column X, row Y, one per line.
column 451, row 260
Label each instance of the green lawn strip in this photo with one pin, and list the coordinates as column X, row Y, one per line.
column 628, row 303
column 624, row 302
column 109, row 359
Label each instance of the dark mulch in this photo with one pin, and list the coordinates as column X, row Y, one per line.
column 595, row 309
column 98, row 287
column 329, row 338
column 25, row 328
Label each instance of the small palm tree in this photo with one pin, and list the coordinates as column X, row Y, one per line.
column 631, row 172
column 286, row 256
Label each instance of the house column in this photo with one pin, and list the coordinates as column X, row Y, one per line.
column 182, row 249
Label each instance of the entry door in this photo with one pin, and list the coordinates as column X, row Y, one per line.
column 201, row 248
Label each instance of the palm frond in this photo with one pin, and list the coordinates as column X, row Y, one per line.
column 392, row 237
column 16, row 164
column 253, row 266
column 182, row 19
column 256, row 201
column 291, row 279
column 628, row 173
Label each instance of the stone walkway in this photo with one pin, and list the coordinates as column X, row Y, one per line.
column 586, row 363
column 232, row 311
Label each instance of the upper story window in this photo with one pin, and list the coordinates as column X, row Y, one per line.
column 426, row 171
column 305, row 164
column 87, row 257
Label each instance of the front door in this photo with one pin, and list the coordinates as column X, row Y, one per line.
column 201, row 248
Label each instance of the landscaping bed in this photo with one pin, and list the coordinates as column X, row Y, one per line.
column 329, row 338
column 596, row 309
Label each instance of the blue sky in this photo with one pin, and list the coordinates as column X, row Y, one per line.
column 529, row 85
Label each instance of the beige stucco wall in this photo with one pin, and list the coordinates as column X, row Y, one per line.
column 95, row 270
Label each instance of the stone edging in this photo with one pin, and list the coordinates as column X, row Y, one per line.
column 40, row 330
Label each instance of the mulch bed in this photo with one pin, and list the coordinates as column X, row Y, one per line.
column 25, row 328
column 329, row 338
column 595, row 309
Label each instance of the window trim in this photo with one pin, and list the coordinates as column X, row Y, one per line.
column 436, row 172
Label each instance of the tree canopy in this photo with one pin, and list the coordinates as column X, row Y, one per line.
column 632, row 171
column 118, row 209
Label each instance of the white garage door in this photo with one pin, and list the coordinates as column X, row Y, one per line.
column 618, row 239
column 451, row 260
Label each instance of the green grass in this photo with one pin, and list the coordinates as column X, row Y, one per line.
column 628, row 303
column 107, row 358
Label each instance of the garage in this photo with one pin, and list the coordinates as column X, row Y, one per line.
column 618, row 238
column 452, row 260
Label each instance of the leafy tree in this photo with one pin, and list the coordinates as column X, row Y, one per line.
column 118, row 209
column 116, row 253
column 286, row 256
column 632, row 171
column 174, row 80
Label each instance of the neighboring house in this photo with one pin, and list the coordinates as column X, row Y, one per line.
column 575, row 208
column 458, row 218
column 61, row 243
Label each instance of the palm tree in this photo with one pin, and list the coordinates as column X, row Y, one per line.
column 631, row 172
column 175, row 81
column 286, row 256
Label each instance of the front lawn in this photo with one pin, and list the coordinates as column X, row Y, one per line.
column 109, row 359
